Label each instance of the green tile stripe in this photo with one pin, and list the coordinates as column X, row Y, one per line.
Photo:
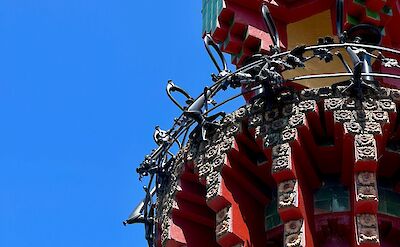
column 383, row 31
column 372, row 14
column 352, row 20
column 210, row 12
column 387, row 10
column 332, row 198
column 360, row 2
column 272, row 218
column 389, row 202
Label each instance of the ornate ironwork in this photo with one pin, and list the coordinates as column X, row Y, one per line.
column 263, row 76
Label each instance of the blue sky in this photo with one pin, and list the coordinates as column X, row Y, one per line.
column 82, row 85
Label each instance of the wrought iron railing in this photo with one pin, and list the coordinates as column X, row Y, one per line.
column 262, row 75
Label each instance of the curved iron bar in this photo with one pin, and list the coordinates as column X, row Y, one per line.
column 346, row 74
column 272, row 30
column 307, row 48
column 232, row 98
column 339, row 18
column 148, row 212
column 339, row 45
column 356, row 45
column 137, row 215
column 209, row 41
column 171, row 87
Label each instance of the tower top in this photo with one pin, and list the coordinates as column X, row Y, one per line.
column 238, row 26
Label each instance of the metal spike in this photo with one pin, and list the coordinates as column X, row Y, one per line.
column 269, row 21
column 346, row 66
column 339, row 18
column 137, row 214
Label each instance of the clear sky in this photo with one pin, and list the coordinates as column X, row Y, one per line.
column 82, row 85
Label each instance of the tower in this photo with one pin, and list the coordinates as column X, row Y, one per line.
column 312, row 158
